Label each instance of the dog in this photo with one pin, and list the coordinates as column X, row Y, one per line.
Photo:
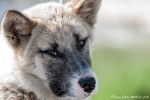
column 51, row 44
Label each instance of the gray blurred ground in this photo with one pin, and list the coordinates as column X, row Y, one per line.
column 121, row 23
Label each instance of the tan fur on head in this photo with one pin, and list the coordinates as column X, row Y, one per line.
column 87, row 9
column 15, row 26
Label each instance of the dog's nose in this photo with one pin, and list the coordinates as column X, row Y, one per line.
column 88, row 84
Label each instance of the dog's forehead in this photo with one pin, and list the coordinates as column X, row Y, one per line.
column 56, row 24
column 61, row 33
column 54, row 15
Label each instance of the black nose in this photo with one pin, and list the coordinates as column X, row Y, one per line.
column 88, row 84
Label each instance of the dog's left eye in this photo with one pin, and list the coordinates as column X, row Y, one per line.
column 81, row 43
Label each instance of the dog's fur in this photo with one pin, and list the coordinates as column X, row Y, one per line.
column 51, row 44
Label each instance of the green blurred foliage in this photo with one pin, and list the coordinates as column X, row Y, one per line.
column 122, row 72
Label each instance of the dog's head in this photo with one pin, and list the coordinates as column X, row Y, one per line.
column 53, row 43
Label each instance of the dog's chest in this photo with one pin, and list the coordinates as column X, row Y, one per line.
column 12, row 92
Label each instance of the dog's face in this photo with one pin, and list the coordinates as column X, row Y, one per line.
column 52, row 42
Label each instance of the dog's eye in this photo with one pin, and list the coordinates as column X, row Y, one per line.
column 81, row 43
column 52, row 53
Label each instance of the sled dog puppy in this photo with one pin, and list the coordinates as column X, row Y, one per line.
column 51, row 44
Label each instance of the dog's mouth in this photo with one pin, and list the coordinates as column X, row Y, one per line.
column 86, row 95
column 59, row 88
column 59, row 92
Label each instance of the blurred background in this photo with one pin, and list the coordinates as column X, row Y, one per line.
column 121, row 55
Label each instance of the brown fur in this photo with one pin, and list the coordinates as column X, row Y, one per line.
column 13, row 92
column 38, row 29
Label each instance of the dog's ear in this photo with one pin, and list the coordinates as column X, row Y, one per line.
column 16, row 27
column 87, row 9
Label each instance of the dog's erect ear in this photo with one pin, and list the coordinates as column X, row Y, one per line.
column 16, row 27
column 87, row 9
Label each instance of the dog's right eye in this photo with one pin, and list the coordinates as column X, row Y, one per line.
column 52, row 53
